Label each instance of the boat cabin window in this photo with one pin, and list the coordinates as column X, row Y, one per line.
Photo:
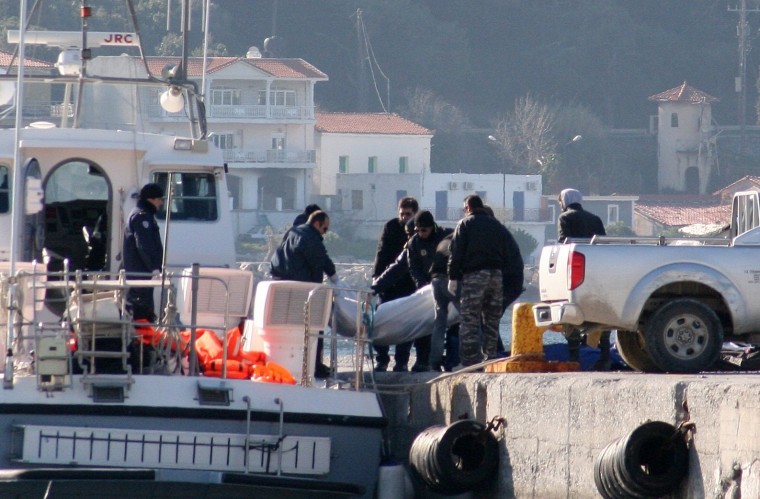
column 194, row 196
column 5, row 191
column 77, row 203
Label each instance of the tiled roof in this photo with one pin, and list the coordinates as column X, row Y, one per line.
column 375, row 123
column 743, row 183
column 279, row 68
column 6, row 57
column 684, row 93
column 680, row 210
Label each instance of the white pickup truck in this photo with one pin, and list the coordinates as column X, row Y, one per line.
column 672, row 301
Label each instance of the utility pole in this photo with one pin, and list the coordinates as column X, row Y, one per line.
column 362, row 59
column 742, row 33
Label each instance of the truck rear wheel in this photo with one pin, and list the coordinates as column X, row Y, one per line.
column 633, row 350
column 684, row 336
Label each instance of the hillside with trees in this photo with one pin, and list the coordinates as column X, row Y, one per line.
column 467, row 67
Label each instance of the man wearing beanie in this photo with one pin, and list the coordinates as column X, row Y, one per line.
column 143, row 251
column 421, row 253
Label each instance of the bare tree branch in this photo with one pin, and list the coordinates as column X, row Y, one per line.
column 525, row 137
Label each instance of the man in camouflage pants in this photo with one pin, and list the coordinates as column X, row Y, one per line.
column 478, row 255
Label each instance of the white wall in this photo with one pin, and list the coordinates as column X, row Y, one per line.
column 495, row 189
column 679, row 147
column 359, row 147
column 380, row 194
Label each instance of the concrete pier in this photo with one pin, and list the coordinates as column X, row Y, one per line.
column 557, row 424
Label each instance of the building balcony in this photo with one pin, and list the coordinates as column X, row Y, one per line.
column 269, row 156
column 241, row 112
column 261, row 112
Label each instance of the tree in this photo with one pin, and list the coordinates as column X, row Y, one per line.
column 426, row 108
column 526, row 242
column 525, row 137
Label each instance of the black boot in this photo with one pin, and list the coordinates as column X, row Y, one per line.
column 604, row 363
column 320, row 369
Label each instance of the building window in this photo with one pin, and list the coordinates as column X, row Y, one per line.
column 193, row 196
column 224, row 140
column 674, row 120
column 553, row 212
column 613, row 214
column 357, row 200
column 225, row 97
column 403, row 164
column 5, row 192
column 278, row 143
column 372, row 164
column 343, row 164
column 278, row 97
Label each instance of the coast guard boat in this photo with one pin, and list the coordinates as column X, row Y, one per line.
column 93, row 407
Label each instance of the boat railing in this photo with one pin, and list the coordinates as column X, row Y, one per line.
column 78, row 322
column 360, row 341
column 68, row 322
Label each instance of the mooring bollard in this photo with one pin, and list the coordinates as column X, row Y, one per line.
column 528, row 347
column 527, row 338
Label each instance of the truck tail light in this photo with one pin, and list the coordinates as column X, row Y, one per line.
column 576, row 270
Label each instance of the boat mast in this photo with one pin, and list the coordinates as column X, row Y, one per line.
column 16, row 207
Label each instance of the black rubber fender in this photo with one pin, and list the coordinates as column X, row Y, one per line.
column 655, row 457
column 453, row 459
column 649, row 462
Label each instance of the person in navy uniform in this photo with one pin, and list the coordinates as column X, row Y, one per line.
column 143, row 250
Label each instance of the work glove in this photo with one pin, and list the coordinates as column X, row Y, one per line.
column 453, row 287
column 156, row 274
column 334, row 278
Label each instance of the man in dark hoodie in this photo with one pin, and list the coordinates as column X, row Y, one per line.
column 143, row 250
column 575, row 222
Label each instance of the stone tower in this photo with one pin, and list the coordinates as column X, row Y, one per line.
column 685, row 139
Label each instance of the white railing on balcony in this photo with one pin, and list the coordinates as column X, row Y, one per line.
column 269, row 156
column 261, row 112
column 249, row 112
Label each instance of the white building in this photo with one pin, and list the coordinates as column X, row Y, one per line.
column 366, row 163
column 516, row 200
column 685, row 139
column 261, row 114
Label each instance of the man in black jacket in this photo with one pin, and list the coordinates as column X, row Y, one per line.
column 478, row 255
column 443, row 337
column 143, row 250
column 303, row 217
column 390, row 246
column 302, row 256
column 420, row 254
column 575, row 222
column 513, row 274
